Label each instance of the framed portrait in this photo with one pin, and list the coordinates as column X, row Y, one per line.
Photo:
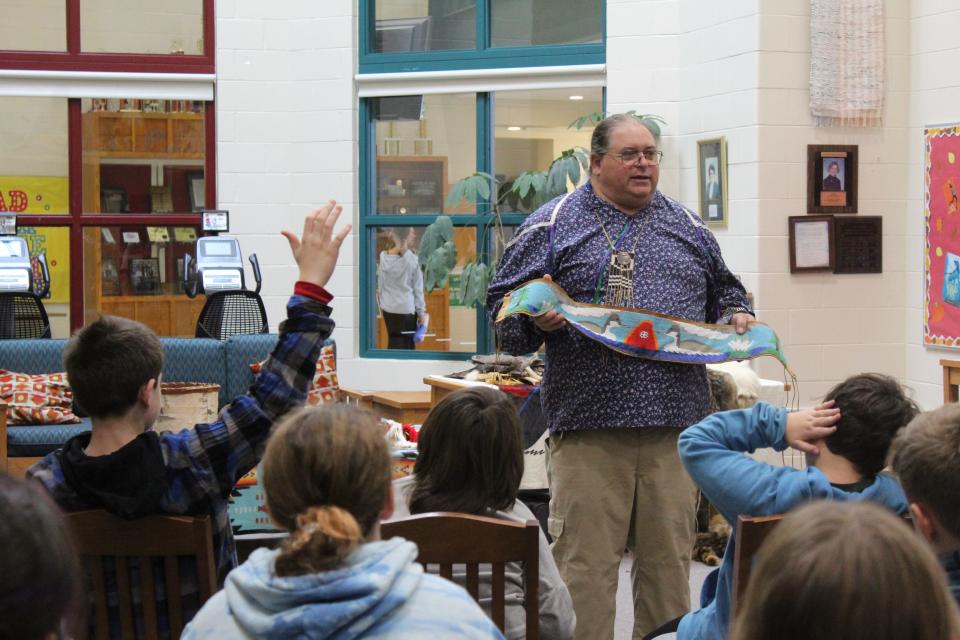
column 113, row 201
column 712, row 180
column 831, row 178
column 811, row 243
column 145, row 276
column 109, row 277
column 196, row 190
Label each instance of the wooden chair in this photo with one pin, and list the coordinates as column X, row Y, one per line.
column 751, row 532
column 99, row 535
column 456, row 538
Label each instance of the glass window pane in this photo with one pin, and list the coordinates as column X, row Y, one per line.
column 524, row 23
column 54, row 244
column 425, row 144
column 531, row 129
column 142, row 156
column 135, row 272
column 400, row 286
column 33, row 156
column 424, row 25
column 33, row 25
column 120, row 26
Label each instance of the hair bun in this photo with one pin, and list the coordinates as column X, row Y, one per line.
column 331, row 521
column 324, row 537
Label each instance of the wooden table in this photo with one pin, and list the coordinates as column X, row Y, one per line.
column 951, row 380
column 408, row 407
column 442, row 386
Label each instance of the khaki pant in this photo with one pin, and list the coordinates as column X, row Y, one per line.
column 613, row 489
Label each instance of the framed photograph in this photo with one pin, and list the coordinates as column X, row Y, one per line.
column 113, row 201
column 712, row 179
column 109, row 277
column 811, row 243
column 831, row 178
column 196, row 190
column 161, row 199
column 145, row 276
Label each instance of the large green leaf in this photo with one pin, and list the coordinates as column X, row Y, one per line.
column 471, row 189
column 439, row 232
column 473, row 284
column 437, row 269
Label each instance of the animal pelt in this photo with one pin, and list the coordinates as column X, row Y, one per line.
column 710, row 544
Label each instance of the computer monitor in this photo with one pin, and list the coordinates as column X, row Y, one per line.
column 216, row 220
column 8, row 224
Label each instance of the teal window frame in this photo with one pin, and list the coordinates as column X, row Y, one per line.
column 483, row 56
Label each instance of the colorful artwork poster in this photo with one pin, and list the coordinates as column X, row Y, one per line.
column 54, row 242
column 941, row 312
column 35, row 195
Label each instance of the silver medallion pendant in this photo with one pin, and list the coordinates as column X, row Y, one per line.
column 619, row 292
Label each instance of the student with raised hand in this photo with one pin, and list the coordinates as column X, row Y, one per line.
column 845, row 571
column 40, row 585
column 470, row 460
column 326, row 476
column 125, row 467
column 926, row 458
column 846, row 440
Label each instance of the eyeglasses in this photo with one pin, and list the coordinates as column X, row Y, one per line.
column 632, row 156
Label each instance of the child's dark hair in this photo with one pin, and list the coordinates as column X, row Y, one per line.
column 326, row 475
column 40, row 586
column 470, row 454
column 108, row 362
column 926, row 458
column 873, row 407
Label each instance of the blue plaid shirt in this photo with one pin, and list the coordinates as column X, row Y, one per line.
column 205, row 462
column 951, row 565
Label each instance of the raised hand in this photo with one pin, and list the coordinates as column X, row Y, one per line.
column 316, row 251
column 811, row 425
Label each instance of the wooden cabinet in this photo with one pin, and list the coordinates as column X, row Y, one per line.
column 138, row 140
column 437, row 302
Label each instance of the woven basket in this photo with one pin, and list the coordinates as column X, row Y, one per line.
column 185, row 404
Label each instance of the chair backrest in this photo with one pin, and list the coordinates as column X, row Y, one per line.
column 100, row 535
column 22, row 315
column 446, row 539
column 230, row 313
column 751, row 532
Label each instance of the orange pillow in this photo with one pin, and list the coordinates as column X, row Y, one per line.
column 43, row 398
column 325, row 388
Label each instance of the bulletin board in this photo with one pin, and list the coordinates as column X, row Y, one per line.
column 941, row 311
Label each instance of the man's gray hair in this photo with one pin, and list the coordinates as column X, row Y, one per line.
column 600, row 141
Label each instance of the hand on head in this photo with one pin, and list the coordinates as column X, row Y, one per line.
column 806, row 427
column 316, row 251
column 551, row 320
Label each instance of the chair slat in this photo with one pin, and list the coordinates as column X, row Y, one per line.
column 124, row 600
column 100, row 617
column 172, row 578
column 498, row 607
column 148, row 598
column 446, row 570
column 473, row 579
column 446, row 539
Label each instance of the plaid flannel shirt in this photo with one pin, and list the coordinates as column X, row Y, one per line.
column 205, row 462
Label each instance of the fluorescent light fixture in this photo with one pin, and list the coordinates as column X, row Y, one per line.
column 514, row 128
column 576, row 97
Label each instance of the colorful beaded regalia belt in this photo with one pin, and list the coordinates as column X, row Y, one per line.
column 646, row 334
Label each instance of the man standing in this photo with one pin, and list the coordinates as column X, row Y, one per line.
column 615, row 477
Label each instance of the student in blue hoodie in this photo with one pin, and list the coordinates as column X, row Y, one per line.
column 845, row 439
column 326, row 475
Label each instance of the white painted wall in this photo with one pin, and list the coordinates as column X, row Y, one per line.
column 287, row 142
column 933, row 99
column 832, row 326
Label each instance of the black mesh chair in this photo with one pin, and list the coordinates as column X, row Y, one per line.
column 229, row 313
column 22, row 316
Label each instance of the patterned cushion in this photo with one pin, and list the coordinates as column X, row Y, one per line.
column 241, row 351
column 39, row 440
column 325, row 388
column 40, row 398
